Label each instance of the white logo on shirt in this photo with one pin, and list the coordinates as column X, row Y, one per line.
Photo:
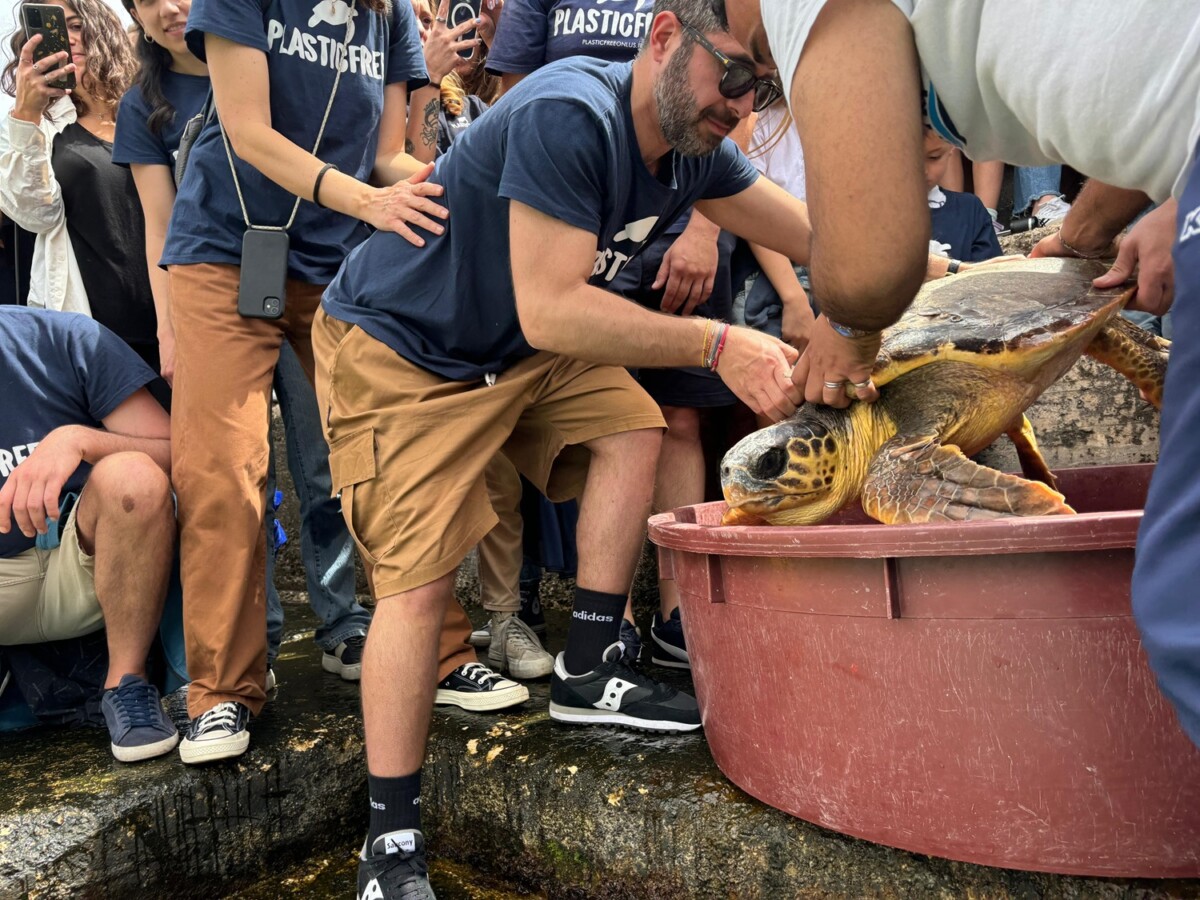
column 325, row 50
column 1191, row 225
column 9, row 460
column 609, row 262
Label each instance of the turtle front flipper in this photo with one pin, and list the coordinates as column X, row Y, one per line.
column 913, row 478
column 1136, row 353
column 1033, row 464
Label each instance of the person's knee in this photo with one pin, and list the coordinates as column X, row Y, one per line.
column 131, row 485
column 683, row 425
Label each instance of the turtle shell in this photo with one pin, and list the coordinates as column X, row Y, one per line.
column 1010, row 314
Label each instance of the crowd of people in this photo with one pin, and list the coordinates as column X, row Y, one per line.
column 486, row 267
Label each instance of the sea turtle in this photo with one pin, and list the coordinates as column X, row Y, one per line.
column 959, row 369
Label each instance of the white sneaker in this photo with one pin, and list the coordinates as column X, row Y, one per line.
column 1053, row 210
column 516, row 649
column 481, row 637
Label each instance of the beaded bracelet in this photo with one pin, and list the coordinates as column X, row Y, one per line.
column 708, row 341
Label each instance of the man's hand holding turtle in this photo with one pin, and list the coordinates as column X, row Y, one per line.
column 835, row 369
column 755, row 367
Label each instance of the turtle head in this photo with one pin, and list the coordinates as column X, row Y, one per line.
column 791, row 473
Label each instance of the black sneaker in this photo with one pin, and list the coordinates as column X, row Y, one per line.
column 136, row 722
column 631, row 637
column 615, row 693
column 220, row 733
column 346, row 658
column 670, row 648
column 476, row 687
column 531, row 606
column 396, row 868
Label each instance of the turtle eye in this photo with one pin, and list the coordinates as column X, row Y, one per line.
column 771, row 464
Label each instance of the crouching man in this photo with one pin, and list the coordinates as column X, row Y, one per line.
column 87, row 523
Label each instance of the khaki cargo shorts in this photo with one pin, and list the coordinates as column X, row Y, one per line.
column 408, row 449
column 49, row 595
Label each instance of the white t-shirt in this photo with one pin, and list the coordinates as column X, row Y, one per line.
column 775, row 150
column 1109, row 87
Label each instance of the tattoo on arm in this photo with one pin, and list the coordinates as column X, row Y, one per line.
column 429, row 128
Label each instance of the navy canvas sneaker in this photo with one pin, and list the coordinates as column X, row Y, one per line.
column 136, row 722
column 346, row 658
column 670, row 648
column 476, row 687
column 395, row 868
column 220, row 733
column 631, row 637
column 615, row 693
column 531, row 606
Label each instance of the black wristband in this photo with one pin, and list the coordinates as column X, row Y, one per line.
column 952, row 268
column 317, row 184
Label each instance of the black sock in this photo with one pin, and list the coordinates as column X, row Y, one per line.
column 595, row 623
column 395, row 804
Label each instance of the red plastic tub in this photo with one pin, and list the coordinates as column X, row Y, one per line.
column 975, row 691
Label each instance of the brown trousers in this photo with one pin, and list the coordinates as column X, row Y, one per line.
column 224, row 366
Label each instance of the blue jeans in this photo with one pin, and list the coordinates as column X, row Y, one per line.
column 325, row 545
column 1166, row 603
column 1030, row 183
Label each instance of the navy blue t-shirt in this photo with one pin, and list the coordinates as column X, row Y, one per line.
column 964, row 224
column 562, row 142
column 534, row 32
column 301, row 41
column 135, row 142
column 57, row 369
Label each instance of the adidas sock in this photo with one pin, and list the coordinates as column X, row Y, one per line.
column 595, row 623
column 395, row 804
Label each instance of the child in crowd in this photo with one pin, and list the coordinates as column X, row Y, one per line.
column 962, row 226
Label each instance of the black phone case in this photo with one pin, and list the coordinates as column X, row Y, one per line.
column 263, row 284
column 464, row 11
column 54, row 36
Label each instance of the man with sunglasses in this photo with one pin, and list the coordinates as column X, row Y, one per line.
column 499, row 334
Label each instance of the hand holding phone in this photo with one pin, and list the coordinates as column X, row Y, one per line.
column 51, row 55
column 461, row 12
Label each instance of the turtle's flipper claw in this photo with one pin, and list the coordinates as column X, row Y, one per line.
column 919, row 480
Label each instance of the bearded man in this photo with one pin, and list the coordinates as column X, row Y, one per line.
column 499, row 336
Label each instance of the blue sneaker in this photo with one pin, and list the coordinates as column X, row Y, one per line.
column 631, row 637
column 136, row 722
column 670, row 648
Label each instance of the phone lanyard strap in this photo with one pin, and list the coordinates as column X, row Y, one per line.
column 338, row 63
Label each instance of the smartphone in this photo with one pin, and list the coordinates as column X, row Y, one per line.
column 50, row 22
column 263, row 283
column 464, row 11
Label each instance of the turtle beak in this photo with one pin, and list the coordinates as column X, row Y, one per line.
column 756, row 473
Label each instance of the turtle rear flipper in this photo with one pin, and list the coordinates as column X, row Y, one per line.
column 913, row 478
column 1136, row 353
column 1033, row 464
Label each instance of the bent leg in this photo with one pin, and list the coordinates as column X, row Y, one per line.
column 126, row 521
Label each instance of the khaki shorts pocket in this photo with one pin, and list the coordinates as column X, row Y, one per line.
column 352, row 468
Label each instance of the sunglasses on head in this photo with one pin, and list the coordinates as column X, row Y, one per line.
column 738, row 79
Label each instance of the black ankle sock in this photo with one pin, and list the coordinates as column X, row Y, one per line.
column 595, row 623
column 395, row 804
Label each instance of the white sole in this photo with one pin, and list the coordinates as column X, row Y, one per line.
column 485, row 701
column 194, row 752
column 524, row 669
column 334, row 666
column 146, row 751
column 573, row 715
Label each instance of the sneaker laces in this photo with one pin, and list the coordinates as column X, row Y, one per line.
column 136, row 704
column 524, row 638
column 223, row 715
column 479, row 673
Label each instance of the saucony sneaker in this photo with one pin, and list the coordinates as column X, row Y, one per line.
column 615, row 693
column 395, row 868
column 476, row 687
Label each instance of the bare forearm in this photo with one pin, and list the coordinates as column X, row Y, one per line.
column 423, row 121
column 95, row 444
column 779, row 270
column 1099, row 214
column 593, row 325
column 158, row 278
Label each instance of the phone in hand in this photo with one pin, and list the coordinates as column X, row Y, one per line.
column 50, row 22
column 464, row 11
